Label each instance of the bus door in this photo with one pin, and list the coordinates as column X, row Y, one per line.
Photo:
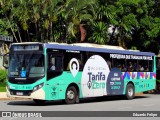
column 54, row 71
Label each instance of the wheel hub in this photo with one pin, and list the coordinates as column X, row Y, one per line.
column 130, row 91
column 70, row 94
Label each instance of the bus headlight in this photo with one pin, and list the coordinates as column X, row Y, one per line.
column 38, row 87
column 10, row 87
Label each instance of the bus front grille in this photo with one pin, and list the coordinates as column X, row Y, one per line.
column 20, row 92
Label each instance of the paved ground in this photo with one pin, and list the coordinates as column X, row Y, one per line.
column 142, row 103
column 146, row 102
column 3, row 96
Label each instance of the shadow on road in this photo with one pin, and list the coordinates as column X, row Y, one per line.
column 82, row 101
column 108, row 98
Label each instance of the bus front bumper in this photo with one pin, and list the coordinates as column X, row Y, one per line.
column 39, row 94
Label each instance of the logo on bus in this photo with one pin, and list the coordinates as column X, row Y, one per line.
column 95, row 80
column 74, row 66
column 94, row 76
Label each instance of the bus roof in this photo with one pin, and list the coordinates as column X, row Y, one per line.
column 98, row 46
column 88, row 47
column 95, row 48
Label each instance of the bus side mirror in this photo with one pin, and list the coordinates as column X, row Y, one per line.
column 6, row 60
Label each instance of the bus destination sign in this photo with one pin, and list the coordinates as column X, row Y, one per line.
column 25, row 47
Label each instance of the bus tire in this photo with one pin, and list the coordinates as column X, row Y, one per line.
column 39, row 102
column 130, row 91
column 71, row 95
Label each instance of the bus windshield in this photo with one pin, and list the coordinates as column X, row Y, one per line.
column 26, row 65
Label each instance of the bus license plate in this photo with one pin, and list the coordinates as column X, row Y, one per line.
column 19, row 93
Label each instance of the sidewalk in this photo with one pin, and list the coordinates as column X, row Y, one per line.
column 3, row 96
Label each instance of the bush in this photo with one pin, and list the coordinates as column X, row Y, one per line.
column 3, row 75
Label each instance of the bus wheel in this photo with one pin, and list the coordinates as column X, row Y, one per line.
column 39, row 102
column 130, row 91
column 71, row 95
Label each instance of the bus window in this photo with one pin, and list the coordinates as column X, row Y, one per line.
column 143, row 65
column 132, row 65
column 151, row 65
column 105, row 56
column 55, row 65
column 119, row 63
column 52, row 65
column 69, row 55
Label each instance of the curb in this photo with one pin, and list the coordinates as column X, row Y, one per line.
column 3, row 96
column 14, row 98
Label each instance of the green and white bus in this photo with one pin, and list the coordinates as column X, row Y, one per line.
column 54, row 71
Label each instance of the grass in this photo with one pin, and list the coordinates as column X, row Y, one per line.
column 2, row 87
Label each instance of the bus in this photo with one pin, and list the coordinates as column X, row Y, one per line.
column 69, row 72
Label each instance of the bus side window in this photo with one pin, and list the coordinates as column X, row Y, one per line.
column 145, row 65
column 55, row 63
column 52, row 65
column 59, row 63
column 119, row 63
column 150, row 66
column 69, row 56
column 51, row 62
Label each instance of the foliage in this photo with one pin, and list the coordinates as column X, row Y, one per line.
column 135, row 24
column 100, row 33
column 158, row 81
column 77, row 12
column 2, row 89
column 3, row 27
column 3, row 75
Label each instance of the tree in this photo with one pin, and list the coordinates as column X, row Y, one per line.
column 99, row 35
column 6, row 7
column 104, row 17
column 4, row 27
column 144, row 36
column 131, row 24
column 76, row 13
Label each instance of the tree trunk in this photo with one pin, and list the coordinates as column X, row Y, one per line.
column 111, row 37
column 36, row 28
column 12, row 30
column 83, row 32
column 19, row 33
column 28, row 36
column 51, row 33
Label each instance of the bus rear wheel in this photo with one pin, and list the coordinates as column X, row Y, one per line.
column 71, row 95
column 130, row 91
column 39, row 102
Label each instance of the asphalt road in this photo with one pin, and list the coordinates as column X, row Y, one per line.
column 146, row 102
